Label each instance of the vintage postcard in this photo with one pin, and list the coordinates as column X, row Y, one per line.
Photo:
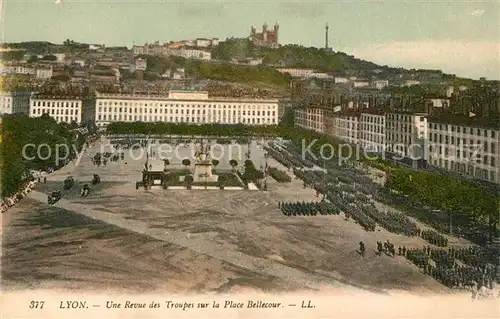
column 250, row 159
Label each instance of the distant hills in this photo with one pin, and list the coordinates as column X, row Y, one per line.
column 290, row 55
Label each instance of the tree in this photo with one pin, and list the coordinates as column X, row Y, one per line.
column 186, row 162
column 20, row 131
column 215, row 162
column 222, row 181
column 188, row 180
column 49, row 57
column 166, row 162
column 32, row 59
column 233, row 164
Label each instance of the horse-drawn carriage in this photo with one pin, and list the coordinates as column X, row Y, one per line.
column 69, row 182
column 85, row 190
column 53, row 197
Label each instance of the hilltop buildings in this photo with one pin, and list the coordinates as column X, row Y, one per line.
column 189, row 49
column 267, row 38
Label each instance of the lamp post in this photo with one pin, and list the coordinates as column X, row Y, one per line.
column 266, row 156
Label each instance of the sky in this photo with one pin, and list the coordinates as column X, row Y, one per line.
column 458, row 37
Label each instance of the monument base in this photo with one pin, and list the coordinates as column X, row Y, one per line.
column 203, row 173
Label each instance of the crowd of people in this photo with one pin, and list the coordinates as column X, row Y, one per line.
column 103, row 158
column 434, row 238
column 353, row 193
column 475, row 256
column 442, row 266
column 394, row 222
column 308, row 209
column 11, row 201
column 286, row 159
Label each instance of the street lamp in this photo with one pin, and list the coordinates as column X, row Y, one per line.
column 266, row 156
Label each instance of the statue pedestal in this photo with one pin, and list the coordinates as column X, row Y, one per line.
column 203, row 173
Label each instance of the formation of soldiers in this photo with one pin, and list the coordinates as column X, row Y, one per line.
column 442, row 266
column 441, row 257
column 434, row 238
column 475, row 256
column 308, row 209
column 394, row 222
column 285, row 158
column 103, row 158
column 419, row 257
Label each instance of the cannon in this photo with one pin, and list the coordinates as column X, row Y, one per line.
column 53, row 197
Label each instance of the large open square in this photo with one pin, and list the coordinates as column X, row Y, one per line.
column 123, row 238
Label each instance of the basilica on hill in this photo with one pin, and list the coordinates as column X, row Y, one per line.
column 268, row 38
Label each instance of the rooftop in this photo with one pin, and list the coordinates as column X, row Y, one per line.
column 197, row 96
column 463, row 120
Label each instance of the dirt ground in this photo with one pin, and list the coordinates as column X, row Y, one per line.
column 120, row 238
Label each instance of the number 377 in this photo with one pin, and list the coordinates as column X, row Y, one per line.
column 37, row 304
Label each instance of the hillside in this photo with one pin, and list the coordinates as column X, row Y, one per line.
column 290, row 55
column 296, row 56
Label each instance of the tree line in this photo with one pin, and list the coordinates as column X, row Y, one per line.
column 446, row 193
column 20, row 131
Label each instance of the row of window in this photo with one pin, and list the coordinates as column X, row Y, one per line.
column 452, row 140
column 462, row 168
column 462, row 129
column 56, row 104
column 401, row 117
column 373, row 138
column 209, row 106
column 374, row 120
column 55, row 111
column 182, row 119
column 181, row 111
column 372, row 129
column 440, row 152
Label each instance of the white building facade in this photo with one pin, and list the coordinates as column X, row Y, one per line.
column 380, row 84
column 62, row 109
column 297, row 73
column 195, row 54
column 372, row 132
column 471, row 151
column 14, row 102
column 44, row 73
column 309, row 119
column 346, row 127
column 406, row 136
column 361, row 84
column 184, row 107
